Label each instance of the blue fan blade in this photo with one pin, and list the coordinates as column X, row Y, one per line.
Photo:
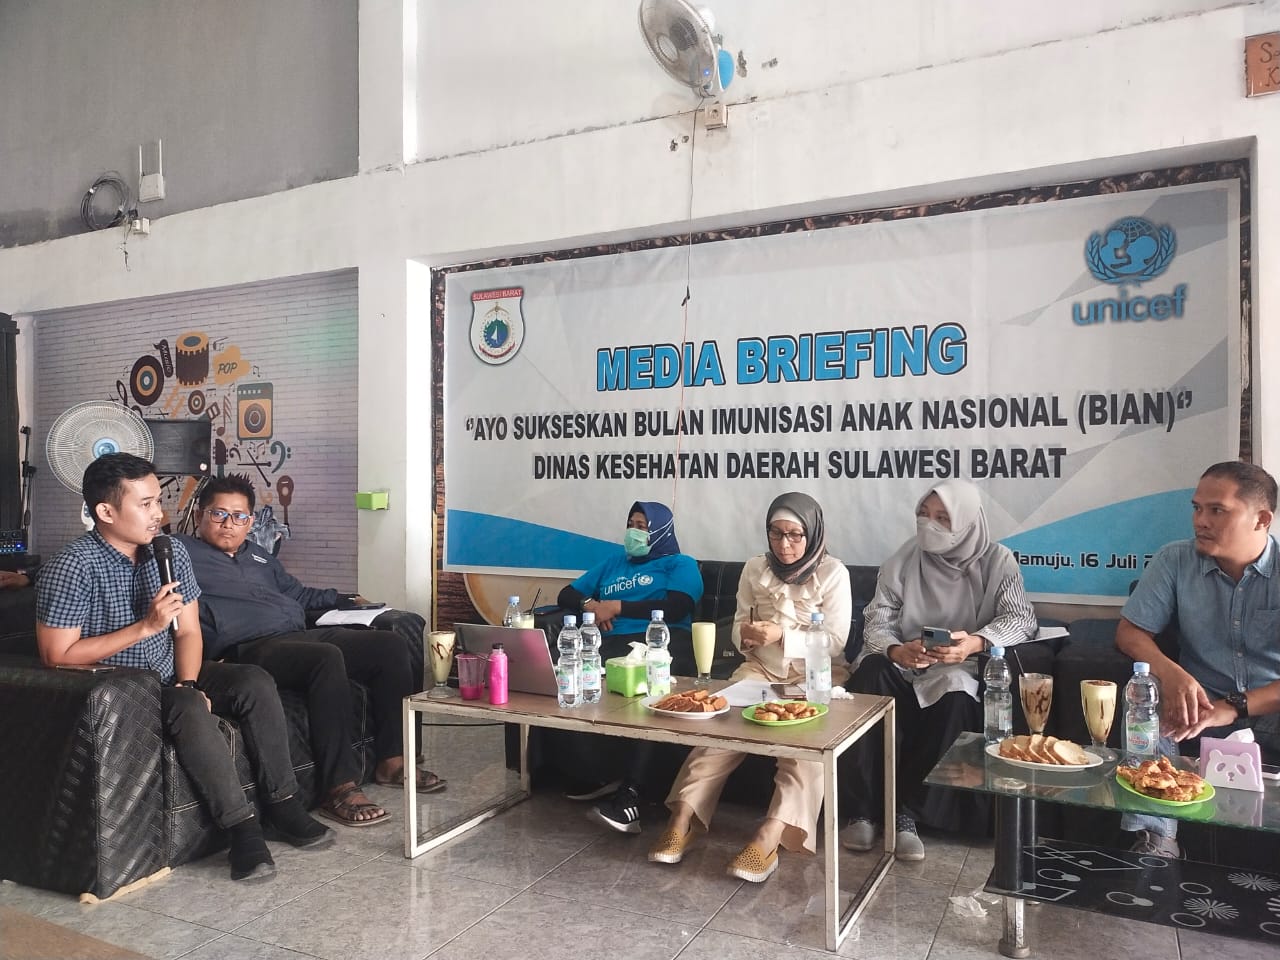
column 724, row 60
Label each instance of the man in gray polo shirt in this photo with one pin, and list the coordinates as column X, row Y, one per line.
column 1222, row 590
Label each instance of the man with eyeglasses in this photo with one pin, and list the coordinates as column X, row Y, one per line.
column 102, row 599
column 253, row 611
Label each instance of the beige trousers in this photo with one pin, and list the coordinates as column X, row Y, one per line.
column 797, row 791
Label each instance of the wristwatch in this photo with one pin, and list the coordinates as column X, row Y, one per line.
column 188, row 683
column 1240, row 701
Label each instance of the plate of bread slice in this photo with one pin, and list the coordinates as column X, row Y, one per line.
column 698, row 705
column 1043, row 753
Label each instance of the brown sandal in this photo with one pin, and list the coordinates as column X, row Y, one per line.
column 428, row 782
column 343, row 809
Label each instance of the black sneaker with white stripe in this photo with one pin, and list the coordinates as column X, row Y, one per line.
column 621, row 812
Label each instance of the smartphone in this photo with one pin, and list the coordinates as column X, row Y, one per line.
column 1270, row 771
column 935, row 637
column 787, row 691
column 85, row 667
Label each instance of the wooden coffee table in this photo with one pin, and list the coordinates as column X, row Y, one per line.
column 822, row 741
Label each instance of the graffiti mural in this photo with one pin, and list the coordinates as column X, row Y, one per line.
column 200, row 376
column 259, row 379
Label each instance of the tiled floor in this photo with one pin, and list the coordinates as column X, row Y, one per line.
column 541, row 881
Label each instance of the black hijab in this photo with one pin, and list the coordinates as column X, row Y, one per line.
column 815, row 545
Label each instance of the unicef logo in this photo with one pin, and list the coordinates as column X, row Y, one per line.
column 644, row 579
column 1131, row 250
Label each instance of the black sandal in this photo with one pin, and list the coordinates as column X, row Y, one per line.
column 340, row 808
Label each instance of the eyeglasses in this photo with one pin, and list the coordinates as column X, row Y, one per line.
column 777, row 536
column 221, row 516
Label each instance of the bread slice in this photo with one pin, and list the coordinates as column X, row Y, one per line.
column 1047, row 748
column 1015, row 748
column 1069, row 753
column 1037, row 750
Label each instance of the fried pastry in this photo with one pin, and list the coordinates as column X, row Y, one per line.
column 1162, row 780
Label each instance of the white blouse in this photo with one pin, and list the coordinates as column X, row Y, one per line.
column 789, row 606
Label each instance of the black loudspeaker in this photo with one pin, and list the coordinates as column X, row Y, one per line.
column 182, row 447
column 253, row 411
column 10, row 491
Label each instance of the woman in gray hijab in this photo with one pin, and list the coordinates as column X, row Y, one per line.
column 949, row 575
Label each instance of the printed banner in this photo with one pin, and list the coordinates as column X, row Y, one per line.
column 1079, row 360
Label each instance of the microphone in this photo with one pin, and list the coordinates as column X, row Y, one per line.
column 162, row 550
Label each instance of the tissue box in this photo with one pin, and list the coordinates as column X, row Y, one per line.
column 628, row 679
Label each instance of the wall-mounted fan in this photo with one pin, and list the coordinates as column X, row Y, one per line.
column 683, row 39
column 87, row 431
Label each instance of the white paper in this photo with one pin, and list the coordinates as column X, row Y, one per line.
column 339, row 618
column 1052, row 633
column 744, row 693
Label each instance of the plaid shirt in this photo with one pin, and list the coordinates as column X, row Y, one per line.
column 93, row 586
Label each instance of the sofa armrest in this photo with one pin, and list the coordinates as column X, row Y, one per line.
column 81, row 753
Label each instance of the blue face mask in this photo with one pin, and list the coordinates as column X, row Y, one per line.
column 636, row 542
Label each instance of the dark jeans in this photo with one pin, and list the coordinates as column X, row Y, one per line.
column 411, row 629
column 248, row 696
column 921, row 736
column 318, row 671
column 379, row 660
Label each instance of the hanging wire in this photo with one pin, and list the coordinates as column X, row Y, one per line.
column 688, row 293
column 113, row 187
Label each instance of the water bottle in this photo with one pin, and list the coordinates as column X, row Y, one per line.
column 591, row 686
column 512, row 617
column 569, row 664
column 1141, row 715
column 497, row 675
column 658, row 659
column 817, row 660
column 997, row 700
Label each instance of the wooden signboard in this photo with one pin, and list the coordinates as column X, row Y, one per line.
column 1262, row 64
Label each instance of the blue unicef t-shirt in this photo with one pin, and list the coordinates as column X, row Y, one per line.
column 620, row 579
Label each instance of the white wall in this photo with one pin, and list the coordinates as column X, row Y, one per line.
column 870, row 103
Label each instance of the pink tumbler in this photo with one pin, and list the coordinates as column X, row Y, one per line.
column 498, row 675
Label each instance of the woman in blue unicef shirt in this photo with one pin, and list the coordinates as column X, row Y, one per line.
column 649, row 573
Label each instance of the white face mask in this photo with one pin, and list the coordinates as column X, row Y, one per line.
column 933, row 537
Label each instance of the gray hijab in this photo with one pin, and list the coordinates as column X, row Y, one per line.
column 943, row 586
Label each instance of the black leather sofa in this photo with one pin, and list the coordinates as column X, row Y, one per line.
column 95, row 798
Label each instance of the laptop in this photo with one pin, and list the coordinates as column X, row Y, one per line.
column 529, row 667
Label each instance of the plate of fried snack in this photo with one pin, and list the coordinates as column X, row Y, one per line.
column 1043, row 753
column 1161, row 782
column 785, row 713
column 694, row 705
